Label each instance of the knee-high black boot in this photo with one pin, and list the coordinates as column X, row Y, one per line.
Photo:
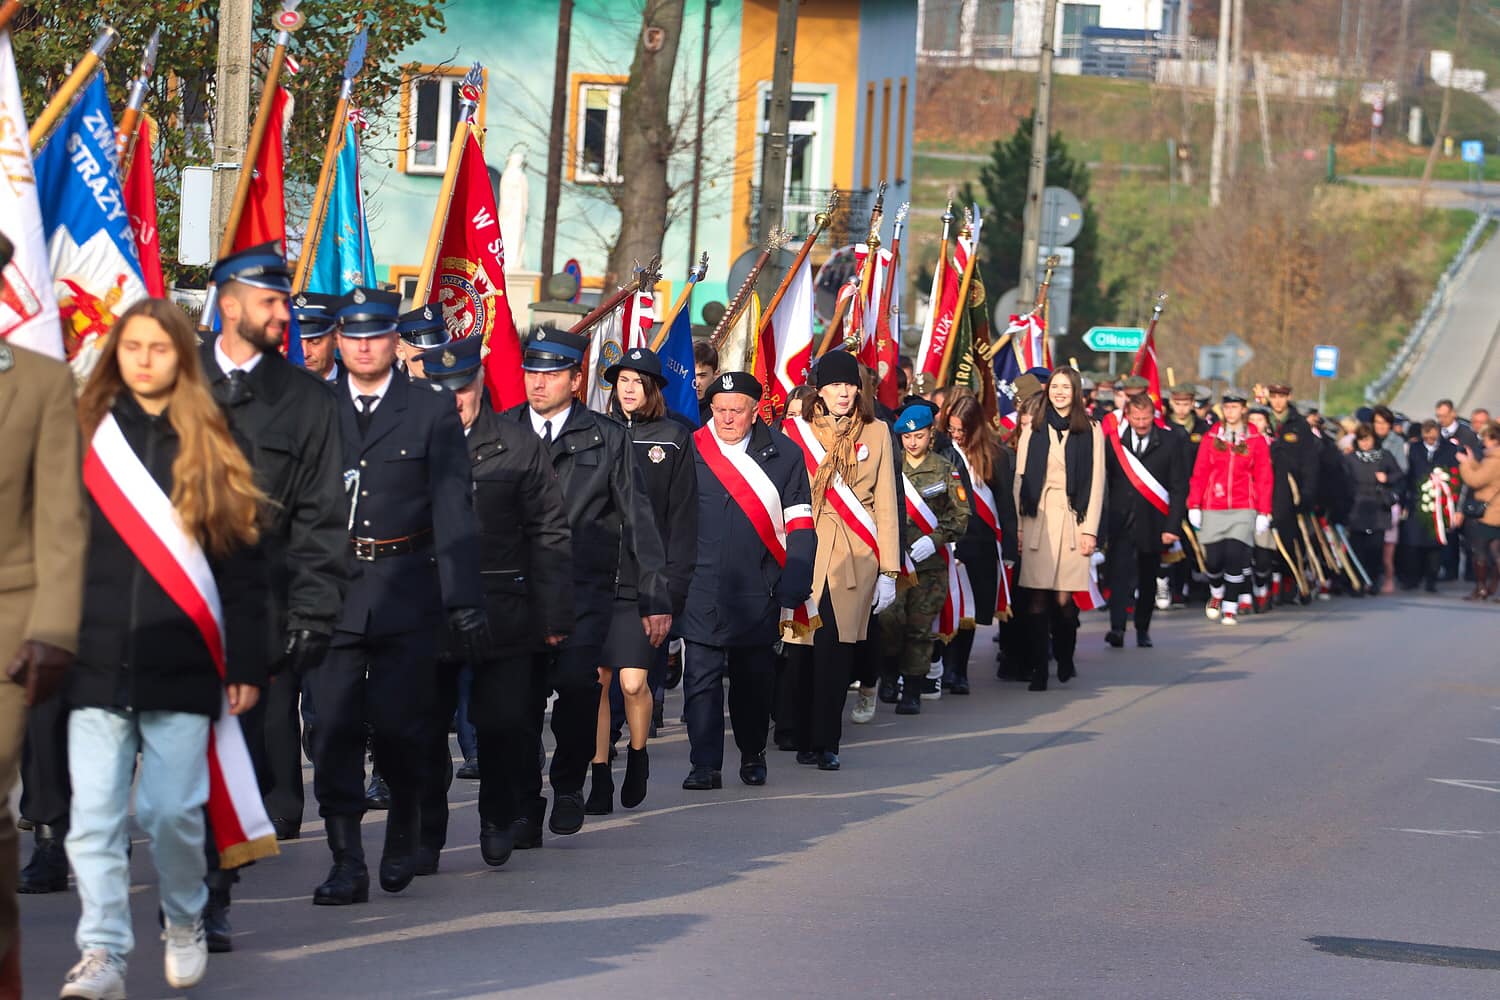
column 1065, row 639
column 1033, row 642
column 956, row 661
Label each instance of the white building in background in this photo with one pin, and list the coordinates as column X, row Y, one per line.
column 1107, row 37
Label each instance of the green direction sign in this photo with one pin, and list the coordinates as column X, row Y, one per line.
column 1114, row 339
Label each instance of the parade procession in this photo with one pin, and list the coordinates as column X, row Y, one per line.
column 302, row 549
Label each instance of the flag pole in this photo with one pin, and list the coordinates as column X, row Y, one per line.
column 840, row 309
column 645, row 277
column 778, row 239
column 937, row 294
column 694, row 276
column 8, row 11
column 970, row 226
column 82, row 75
column 867, row 279
column 313, row 234
column 470, row 92
column 1138, row 364
column 287, row 22
column 820, row 223
column 130, row 121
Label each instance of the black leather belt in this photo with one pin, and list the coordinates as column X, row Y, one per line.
column 370, row 549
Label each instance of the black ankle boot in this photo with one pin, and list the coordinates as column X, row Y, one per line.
column 1033, row 642
column 47, row 871
column 601, row 800
column 637, row 771
column 348, row 880
column 397, row 858
column 1065, row 640
column 911, row 697
column 216, row 929
column 526, row 829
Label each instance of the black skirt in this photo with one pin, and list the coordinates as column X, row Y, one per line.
column 627, row 645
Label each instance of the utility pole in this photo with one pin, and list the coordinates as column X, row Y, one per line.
column 231, row 109
column 773, row 153
column 1036, row 176
column 708, row 24
column 1402, row 74
column 556, row 141
column 1236, row 83
column 1221, row 93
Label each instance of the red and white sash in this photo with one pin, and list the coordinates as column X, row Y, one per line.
column 926, row 521
column 839, row 496
column 758, row 498
column 142, row 514
column 1140, row 477
column 989, row 512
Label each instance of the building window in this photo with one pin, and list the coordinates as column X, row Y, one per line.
column 806, row 173
column 595, row 129
column 994, row 26
column 429, row 113
column 1076, row 17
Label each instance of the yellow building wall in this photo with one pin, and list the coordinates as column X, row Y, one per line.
column 827, row 53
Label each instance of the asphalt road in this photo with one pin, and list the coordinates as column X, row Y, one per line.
column 1304, row 806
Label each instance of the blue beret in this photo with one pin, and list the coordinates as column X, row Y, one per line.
column 260, row 266
column 1039, row 373
column 551, row 349
column 315, row 313
column 368, row 312
column 423, row 327
column 914, row 418
column 455, row 364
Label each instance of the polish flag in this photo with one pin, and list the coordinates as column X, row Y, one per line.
column 785, row 348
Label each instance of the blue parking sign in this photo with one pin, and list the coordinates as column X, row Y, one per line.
column 1325, row 361
column 1473, row 151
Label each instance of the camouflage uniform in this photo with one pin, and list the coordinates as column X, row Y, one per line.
column 906, row 626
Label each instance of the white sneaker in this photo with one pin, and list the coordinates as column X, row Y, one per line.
column 97, row 976
column 1163, row 594
column 186, row 954
column 864, row 708
column 1229, row 617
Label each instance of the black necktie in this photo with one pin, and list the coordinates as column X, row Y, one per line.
column 366, row 412
column 547, row 433
column 1140, row 445
column 239, row 387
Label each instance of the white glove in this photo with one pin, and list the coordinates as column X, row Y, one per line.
column 885, row 593
column 1195, row 518
column 1262, row 523
column 922, row 549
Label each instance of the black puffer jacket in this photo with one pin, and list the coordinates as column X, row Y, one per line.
column 136, row 649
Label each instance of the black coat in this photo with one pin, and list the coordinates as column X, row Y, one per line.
column 1372, row 500
column 1297, row 452
column 604, row 497
column 664, row 454
column 413, row 479
column 1129, row 514
column 524, row 542
column 290, row 420
column 136, row 649
column 1335, row 489
column 738, row 587
column 976, row 547
column 1414, row 531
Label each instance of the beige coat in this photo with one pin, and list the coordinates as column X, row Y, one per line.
column 43, row 535
column 1482, row 475
column 1050, row 556
column 845, row 563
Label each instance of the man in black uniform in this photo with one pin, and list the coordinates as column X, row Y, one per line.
column 287, row 416
column 1182, row 414
column 741, row 582
column 420, row 329
column 1148, row 486
column 415, row 564
column 1294, row 466
column 609, row 512
column 315, row 323
column 525, row 550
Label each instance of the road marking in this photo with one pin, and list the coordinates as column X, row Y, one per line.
column 1479, row 785
column 1462, row 834
column 1485, row 739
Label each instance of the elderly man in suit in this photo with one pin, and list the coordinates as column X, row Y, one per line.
column 42, row 539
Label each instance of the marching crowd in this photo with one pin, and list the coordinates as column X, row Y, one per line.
column 219, row 562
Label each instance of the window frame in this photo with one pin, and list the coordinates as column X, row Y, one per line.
column 613, row 127
column 825, row 103
column 449, row 78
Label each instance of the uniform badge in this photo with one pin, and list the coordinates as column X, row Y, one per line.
column 962, row 496
column 541, row 335
column 1290, row 437
column 1195, row 438
column 358, row 296
column 657, row 454
column 862, row 451
column 635, row 355
column 449, row 359
column 727, row 382
column 301, row 301
column 427, row 313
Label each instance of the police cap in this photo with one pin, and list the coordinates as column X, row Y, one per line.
column 261, row 266
column 423, row 327
column 314, row 313
column 368, row 312
column 455, row 364
column 552, row 350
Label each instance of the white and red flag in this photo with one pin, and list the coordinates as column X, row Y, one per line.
column 784, row 352
column 28, row 307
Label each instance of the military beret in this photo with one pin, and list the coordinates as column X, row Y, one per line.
column 740, row 382
column 914, row 418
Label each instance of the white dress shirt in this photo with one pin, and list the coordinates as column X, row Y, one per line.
column 379, row 394
column 228, row 366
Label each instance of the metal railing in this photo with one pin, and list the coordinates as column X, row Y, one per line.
column 1415, row 346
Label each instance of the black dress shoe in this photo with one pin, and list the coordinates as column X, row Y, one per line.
column 960, row 685
column 567, row 813
column 674, row 671
column 526, row 829
column 1065, row 673
column 1040, row 685
column 425, row 860
column 784, row 741
column 286, row 829
column 888, row 692
column 1143, row 640
column 828, row 761
column 377, row 793
column 347, row 882
column 753, row 768
column 703, row 779
column 806, row 757
column 1115, row 639
column 497, row 841
column 468, row 770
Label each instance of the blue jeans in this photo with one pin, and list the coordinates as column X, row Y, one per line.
column 468, row 742
column 169, row 801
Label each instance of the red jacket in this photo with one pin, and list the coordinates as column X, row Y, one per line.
column 1234, row 477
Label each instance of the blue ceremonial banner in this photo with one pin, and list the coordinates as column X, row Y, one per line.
column 1007, row 370
column 344, row 259
column 677, row 366
column 94, row 264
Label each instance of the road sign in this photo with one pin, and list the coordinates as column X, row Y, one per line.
column 1325, row 361
column 1473, row 151
column 1240, row 351
column 1062, row 217
column 1114, row 339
